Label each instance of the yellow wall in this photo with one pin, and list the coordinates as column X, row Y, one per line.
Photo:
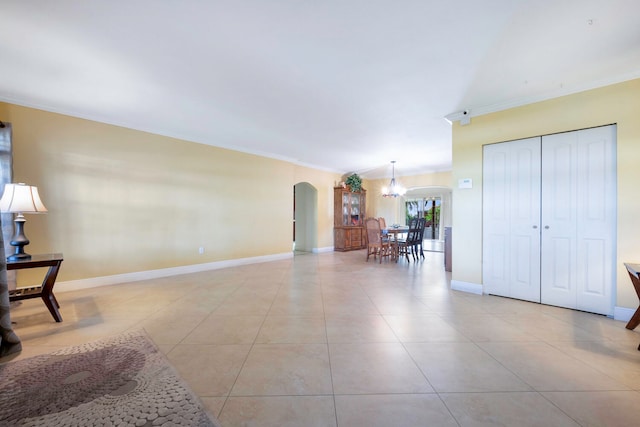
column 123, row 201
column 618, row 103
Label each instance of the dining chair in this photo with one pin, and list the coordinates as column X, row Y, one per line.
column 422, row 224
column 376, row 246
column 383, row 227
column 407, row 245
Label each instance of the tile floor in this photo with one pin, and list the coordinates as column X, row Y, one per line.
column 433, row 245
column 330, row 340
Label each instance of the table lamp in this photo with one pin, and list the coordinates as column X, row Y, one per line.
column 20, row 199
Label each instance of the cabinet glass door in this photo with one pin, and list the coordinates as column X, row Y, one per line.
column 345, row 208
column 355, row 209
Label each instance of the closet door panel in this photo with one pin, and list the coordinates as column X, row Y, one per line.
column 596, row 227
column 495, row 219
column 559, row 202
column 578, row 217
column 511, row 219
column 525, row 220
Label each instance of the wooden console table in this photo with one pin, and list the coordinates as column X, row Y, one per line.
column 45, row 291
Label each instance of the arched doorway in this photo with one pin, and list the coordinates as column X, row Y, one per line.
column 305, row 218
column 434, row 204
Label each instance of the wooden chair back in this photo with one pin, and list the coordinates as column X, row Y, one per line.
column 408, row 246
column 373, row 231
column 383, row 223
column 375, row 245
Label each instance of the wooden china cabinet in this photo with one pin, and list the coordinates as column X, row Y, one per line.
column 349, row 210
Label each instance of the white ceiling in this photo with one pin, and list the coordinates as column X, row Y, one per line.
column 342, row 85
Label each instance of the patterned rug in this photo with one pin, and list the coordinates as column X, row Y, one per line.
column 123, row 380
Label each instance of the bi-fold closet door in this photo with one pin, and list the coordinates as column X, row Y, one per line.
column 549, row 219
column 511, row 219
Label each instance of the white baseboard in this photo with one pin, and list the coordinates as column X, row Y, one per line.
column 623, row 314
column 93, row 282
column 323, row 250
column 473, row 288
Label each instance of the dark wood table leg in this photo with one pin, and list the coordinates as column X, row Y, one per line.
column 635, row 319
column 47, row 292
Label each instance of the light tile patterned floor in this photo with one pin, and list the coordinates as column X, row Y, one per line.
column 330, row 340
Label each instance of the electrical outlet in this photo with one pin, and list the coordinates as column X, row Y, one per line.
column 201, row 250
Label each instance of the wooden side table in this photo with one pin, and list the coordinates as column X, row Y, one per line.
column 45, row 291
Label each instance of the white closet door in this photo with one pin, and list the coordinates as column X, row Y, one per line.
column 495, row 218
column 511, row 219
column 578, row 219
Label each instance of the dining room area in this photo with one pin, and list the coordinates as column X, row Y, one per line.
column 392, row 226
column 395, row 241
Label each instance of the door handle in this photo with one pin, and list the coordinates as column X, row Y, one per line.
column 546, row 227
column 535, row 226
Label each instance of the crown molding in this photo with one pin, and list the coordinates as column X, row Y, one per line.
column 157, row 131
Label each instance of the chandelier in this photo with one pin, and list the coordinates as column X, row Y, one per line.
column 394, row 189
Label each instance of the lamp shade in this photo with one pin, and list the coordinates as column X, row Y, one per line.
column 21, row 198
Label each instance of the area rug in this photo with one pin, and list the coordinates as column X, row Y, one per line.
column 123, row 380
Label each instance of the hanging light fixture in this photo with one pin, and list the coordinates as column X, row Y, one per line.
column 394, row 189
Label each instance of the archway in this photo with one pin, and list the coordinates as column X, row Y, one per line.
column 432, row 196
column 305, row 218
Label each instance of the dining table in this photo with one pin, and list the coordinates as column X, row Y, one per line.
column 393, row 232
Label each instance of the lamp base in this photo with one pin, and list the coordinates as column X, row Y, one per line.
column 18, row 257
column 19, row 241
